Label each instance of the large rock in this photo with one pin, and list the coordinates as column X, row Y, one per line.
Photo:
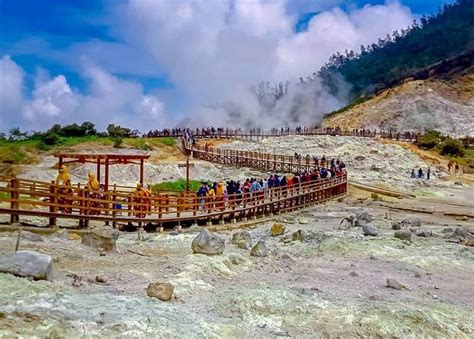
column 27, row 264
column 462, row 233
column 29, row 236
column 396, row 225
column 424, row 233
column 242, row 239
column 370, row 230
column 101, row 238
column 403, row 235
column 364, row 216
column 299, row 235
column 162, row 291
column 259, row 249
column 207, row 243
column 277, row 229
column 392, row 283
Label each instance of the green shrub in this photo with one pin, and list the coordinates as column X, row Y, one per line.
column 429, row 140
column 118, row 141
column 452, row 147
column 50, row 139
column 178, row 185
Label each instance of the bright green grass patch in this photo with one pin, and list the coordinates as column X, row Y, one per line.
column 178, row 185
column 73, row 141
column 14, row 152
column 147, row 144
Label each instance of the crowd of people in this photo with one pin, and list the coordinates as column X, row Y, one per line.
column 219, row 195
column 299, row 130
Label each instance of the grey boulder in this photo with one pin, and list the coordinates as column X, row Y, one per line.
column 101, row 238
column 259, row 249
column 242, row 239
column 28, row 264
column 207, row 243
column 403, row 235
column 370, row 230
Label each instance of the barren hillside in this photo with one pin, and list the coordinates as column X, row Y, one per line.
column 447, row 106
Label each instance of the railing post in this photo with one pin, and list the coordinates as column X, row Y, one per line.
column 114, row 206
column 53, row 189
column 14, row 199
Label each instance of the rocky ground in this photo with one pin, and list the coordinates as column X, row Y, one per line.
column 368, row 161
column 447, row 106
column 333, row 283
column 327, row 280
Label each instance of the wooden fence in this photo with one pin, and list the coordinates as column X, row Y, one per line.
column 22, row 197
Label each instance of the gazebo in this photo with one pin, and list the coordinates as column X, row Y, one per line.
column 104, row 159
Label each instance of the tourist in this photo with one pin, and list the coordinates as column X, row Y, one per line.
column 93, row 194
column 210, row 195
column 428, row 174
column 220, row 196
column 202, row 193
column 413, row 175
column 450, row 164
column 420, row 173
column 456, row 168
column 65, row 192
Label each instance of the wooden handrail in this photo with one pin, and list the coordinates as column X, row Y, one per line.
column 32, row 197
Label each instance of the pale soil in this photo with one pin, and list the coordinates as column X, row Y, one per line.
column 416, row 105
column 332, row 285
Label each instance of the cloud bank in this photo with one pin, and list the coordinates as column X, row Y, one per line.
column 212, row 51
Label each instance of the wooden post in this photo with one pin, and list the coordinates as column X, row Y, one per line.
column 53, row 189
column 187, row 165
column 106, row 183
column 98, row 169
column 141, row 170
column 114, row 198
column 14, row 199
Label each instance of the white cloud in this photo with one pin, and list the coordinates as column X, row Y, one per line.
column 335, row 30
column 215, row 55
column 52, row 100
column 212, row 51
column 11, row 86
column 110, row 100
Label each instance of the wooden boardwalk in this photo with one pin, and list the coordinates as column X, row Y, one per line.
column 22, row 197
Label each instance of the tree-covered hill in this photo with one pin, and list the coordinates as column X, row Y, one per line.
column 434, row 39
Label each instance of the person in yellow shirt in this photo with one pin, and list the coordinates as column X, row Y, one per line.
column 141, row 199
column 220, row 195
column 65, row 192
column 211, row 195
column 63, row 177
column 93, row 194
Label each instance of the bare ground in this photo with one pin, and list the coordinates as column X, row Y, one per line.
column 331, row 285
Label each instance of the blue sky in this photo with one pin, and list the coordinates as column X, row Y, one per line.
column 60, row 37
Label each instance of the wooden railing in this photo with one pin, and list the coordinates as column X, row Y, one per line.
column 20, row 197
column 263, row 161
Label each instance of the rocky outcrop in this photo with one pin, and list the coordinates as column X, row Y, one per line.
column 299, row 235
column 259, row 249
column 370, row 230
column 28, row 264
column 242, row 239
column 207, row 243
column 161, row 291
column 101, row 238
column 403, row 235
column 277, row 229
